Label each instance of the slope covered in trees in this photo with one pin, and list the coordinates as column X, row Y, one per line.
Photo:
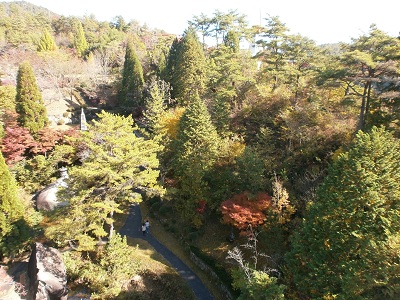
column 211, row 136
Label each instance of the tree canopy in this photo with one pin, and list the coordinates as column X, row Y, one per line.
column 348, row 246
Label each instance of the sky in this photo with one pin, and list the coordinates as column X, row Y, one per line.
column 320, row 20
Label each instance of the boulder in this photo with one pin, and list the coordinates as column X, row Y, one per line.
column 47, row 274
column 7, row 286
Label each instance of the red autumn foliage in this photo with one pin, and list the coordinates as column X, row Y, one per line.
column 244, row 209
column 16, row 143
column 46, row 140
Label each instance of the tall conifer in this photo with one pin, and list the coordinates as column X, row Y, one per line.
column 29, row 102
column 349, row 245
column 80, row 43
column 132, row 78
column 190, row 73
column 196, row 149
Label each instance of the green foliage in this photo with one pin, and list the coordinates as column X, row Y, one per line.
column 260, row 286
column 12, row 225
column 107, row 271
column 80, row 44
column 348, row 245
column 190, row 71
column 196, row 149
column 254, row 282
column 116, row 167
column 34, row 174
column 46, row 42
column 131, row 91
column 231, row 40
column 249, row 172
column 156, row 105
column 29, row 102
column 7, row 98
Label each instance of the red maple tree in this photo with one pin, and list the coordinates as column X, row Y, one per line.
column 244, row 210
column 16, row 144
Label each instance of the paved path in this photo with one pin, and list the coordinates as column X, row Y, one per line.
column 132, row 228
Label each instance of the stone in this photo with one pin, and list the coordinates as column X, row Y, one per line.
column 47, row 274
column 7, row 286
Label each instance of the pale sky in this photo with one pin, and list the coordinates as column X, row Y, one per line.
column 320, row 20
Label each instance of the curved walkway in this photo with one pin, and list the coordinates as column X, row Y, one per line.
column 132, row 229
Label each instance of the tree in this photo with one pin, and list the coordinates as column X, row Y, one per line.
column 17, row 140
column 46, row 42
column 29, row 102
column 348, row 246
column 196, row 149
column 80, row 43
column 117, row 167
column 369, row 65
column 132, row 78
column 12, row 211
column 156, row 105
column 273, row 42
column 190, row 72
column 116, row 260
column 245, row 210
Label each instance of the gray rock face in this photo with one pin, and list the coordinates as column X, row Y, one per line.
column 47, row 274
column 7, row 286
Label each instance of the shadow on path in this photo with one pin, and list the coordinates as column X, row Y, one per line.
column 132, row 228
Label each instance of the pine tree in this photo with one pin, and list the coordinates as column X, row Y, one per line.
column 80, row 43
column 11, row 207
column 117, row 167
column 132, row 78
column 190, row 73
column 349, row 244
column 29, row 102
column 196, row 149
column 46, row 42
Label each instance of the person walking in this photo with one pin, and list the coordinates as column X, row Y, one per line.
column 147, row 223
column 144, row 229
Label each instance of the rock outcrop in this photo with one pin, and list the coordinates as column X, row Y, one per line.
column 47, row 274
column 7, row 286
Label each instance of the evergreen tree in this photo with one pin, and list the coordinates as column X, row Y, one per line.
column 190, row 73
column 349, row 244
column 196, row 149
column 231, row 40
column 29, row 102
column 46, row 42
column 168, row 74
column 12, row 210
column 80, row 43
column 156, row 105
column 117, row 167
column 132, row 78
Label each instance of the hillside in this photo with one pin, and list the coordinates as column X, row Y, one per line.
column 277, row 168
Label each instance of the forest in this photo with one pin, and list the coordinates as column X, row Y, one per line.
column 275, row 159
